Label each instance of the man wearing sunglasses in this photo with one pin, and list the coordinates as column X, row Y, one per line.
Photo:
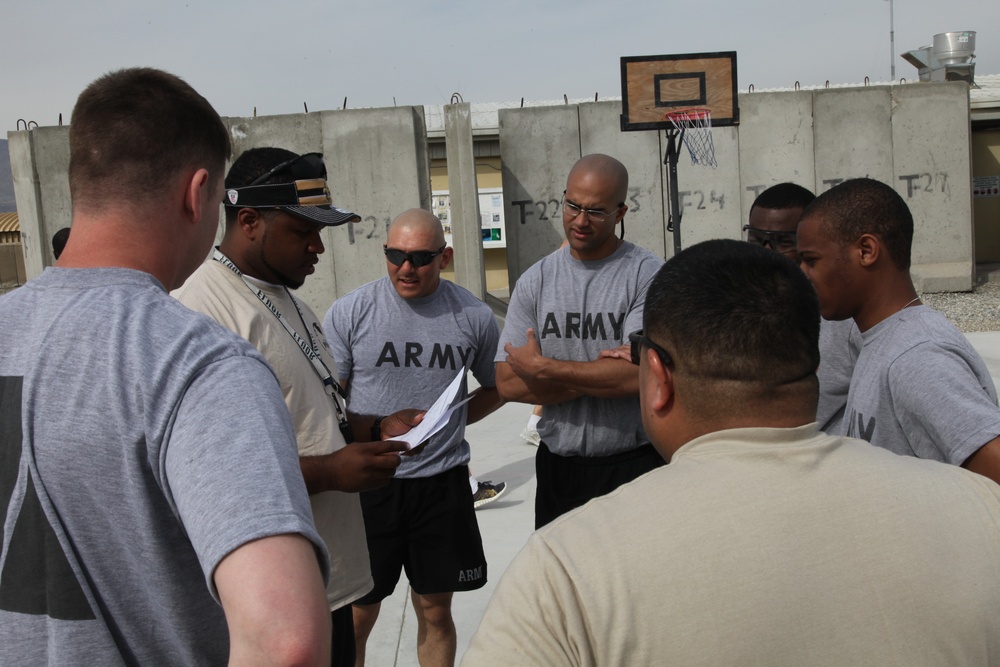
column 774, row 222
column 566, row 310
column 401, row 340
column 765, row 541
column 277, row 206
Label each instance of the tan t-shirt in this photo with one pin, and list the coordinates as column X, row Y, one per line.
column 761, row 547
column 218, row 292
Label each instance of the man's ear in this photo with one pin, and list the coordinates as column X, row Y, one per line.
column 446, row 257
column 199, row 195
column 868, row 249
column 250, row 222
column 661, row 382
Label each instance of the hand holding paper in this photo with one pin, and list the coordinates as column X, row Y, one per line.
column 437, row 415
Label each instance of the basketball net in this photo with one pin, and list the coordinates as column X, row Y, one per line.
column 697, row 134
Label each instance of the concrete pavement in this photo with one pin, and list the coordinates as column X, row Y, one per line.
column 499, row 454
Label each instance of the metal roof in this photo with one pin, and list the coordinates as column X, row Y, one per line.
column 986, row 93
column 9, row 222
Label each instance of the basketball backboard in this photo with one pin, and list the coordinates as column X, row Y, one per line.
column 652, row 86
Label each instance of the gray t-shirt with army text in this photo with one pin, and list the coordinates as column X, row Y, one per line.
column 577, row 309
column 920, row 389
column 401, row 353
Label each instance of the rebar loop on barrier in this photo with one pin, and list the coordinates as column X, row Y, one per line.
column 595, row 97
column 565, row 98
column 345, row 102
column 305, row 107
column 255, row 112
column 796, row 85
column 902, row 80
column 456, row 98
column 827, row 83
column 28, row 124
column 750, row 90
column 522, row 102
column 866, row 80
column 60, row 120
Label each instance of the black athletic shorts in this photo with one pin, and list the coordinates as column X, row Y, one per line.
column 564, row 483
column 426, row 526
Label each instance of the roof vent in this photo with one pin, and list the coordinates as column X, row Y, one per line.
column 950, row 59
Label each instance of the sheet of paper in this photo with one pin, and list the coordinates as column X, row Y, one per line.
column 437, row 415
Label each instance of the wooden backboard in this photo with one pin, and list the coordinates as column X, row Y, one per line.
column 652, row 86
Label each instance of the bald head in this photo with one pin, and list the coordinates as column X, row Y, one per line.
column 605, row 168
column 416, row 242
column 418, row 221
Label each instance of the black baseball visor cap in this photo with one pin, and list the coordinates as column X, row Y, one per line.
column 306, row 196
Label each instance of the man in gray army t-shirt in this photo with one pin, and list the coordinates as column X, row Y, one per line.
column 919, row 388
column 399, row 342
column 568, row 308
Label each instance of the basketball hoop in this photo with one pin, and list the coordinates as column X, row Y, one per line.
column 696, row 131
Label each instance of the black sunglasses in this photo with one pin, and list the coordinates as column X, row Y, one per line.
column 780, row 241
column 417, row 259
column 301, row 167
column 637, row 339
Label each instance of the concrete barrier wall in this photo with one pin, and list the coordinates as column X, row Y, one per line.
column 537, row 147
column 932, row 165
column 377, row 166
column 915, row 138
column 382, row 170
column 776, row 144
column 39, row 161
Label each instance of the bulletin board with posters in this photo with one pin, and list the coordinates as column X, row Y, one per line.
column 490, row 214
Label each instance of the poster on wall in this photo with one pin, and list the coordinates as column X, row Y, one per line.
column 985, row 186
column 490, row 213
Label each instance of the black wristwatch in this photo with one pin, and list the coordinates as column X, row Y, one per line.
column 377, row 429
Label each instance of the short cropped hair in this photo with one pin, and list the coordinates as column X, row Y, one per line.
column 251, row 165
column 866, row 206
column 736, row 312
column 133, row 130
column 782, row 196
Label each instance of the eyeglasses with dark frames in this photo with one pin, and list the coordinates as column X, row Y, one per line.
column 637, row 339
column 417, row 258
column 783, row 242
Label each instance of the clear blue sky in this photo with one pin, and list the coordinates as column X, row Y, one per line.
column 275, row 55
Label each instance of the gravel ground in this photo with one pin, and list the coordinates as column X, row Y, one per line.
column 978, row 310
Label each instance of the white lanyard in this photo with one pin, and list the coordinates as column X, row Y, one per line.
column 310, row 350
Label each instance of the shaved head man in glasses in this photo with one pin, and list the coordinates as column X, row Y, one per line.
column 566, row 310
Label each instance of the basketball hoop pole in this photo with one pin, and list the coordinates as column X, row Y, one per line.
column 670, row 159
